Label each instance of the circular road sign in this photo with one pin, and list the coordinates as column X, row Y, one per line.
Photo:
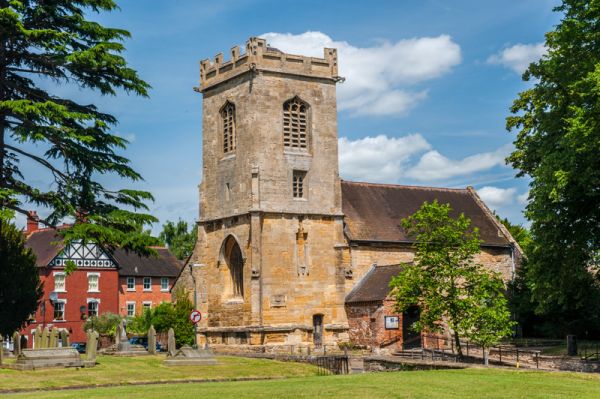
column 195, row 316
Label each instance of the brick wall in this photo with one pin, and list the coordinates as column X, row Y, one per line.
column 138, row 295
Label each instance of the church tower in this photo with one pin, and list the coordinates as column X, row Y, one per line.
column 267, row 264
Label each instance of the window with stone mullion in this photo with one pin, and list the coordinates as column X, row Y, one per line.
column 295, row 127
column 228, row 120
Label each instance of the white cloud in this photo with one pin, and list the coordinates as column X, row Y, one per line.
column 519, row 56
column 496, row 197
column 523, row 198
column 380, row 158
column 378, row 78
column 435, row 166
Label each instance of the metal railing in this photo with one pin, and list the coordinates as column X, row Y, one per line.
column 328, row 365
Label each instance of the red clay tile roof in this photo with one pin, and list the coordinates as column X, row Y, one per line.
column 373, row 211
column 165, row 265
column 375, row 285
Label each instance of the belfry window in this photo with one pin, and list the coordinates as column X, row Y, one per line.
column 228, row 122
column 298, row 178
column 295, row 124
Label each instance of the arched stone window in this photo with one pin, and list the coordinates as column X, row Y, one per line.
column 295, row 124
column 232, row 255
column 228, row 126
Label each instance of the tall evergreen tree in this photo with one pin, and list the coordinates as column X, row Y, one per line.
column 21, row 288
column 44, row 44
column 179, row 240
column 557, row 146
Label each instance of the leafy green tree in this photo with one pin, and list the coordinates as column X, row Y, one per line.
column 445, row 282
column 557, row 145
column 106, row 323
column 184, row 328
column 21, row 289
column 44, row 45
column 179, row 240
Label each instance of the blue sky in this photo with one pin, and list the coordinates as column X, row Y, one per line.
column 428, row 87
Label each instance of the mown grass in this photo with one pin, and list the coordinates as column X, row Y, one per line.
column 127, row 370
column 444, row 384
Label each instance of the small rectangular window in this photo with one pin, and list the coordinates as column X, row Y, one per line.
column 92, row 308
column 130, row 309
column 130, row 283
column 59, row 282
column 146, row 306
column 93, row 282
column 59, row 311
column 147, row 283
column 164, row 284
column 298, row 184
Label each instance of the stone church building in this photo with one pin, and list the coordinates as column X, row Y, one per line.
column 283, row 242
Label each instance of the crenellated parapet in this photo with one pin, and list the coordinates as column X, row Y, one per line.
column 259, row 57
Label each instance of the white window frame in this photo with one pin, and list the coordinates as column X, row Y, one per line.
column 64, row 311
column 97, row 301
column 64, row 289
column 127, row 284
column 162, row 280
column 144, row 284
column 127, row 308
column 147, row 304
column 88, row 282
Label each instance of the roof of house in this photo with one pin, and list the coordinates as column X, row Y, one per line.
column 164, row 265
column 375, row 285
column 46, row 244
column 373, row 211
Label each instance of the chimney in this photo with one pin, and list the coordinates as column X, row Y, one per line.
column 32, row 222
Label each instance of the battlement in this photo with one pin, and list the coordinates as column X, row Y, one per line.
column 259, row 57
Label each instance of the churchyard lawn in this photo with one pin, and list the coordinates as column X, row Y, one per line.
column 127, row 370
column 445, row 384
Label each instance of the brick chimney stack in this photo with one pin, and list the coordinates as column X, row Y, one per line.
column 33, row 222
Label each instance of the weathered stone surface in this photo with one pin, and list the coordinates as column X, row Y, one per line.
column 171, row 349
column 16, row 343
column 53, row 340
column 188, row 356
column 45, row 338
column 31, row 359
column 64, row 337
column 37, row 340
column 152, row 340
column 91, row 346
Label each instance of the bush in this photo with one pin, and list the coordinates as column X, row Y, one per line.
column 106, row 323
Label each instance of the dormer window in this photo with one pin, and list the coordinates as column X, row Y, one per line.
column 228, row 122
column 295, row 124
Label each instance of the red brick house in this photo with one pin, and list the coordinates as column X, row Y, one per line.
column 95, row 287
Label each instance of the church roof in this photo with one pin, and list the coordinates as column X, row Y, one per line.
column 46, row 244
column 373, row 211
column 375, row 285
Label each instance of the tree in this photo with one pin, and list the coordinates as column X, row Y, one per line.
column 178, row 239
column 445, row 282
column 557, row 146
column 106, row 323
column 43, row 45
column 21, row 289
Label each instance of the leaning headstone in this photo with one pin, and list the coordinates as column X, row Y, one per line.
column 91, row 345
column 64, row 337
column 171, row 343
column 45, row 338
column 152, row 340
column 1, row 349
column 16, row 343
column 53, row 342
column 37, row 339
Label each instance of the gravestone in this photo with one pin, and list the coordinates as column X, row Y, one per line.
column 91, row 346
column 16, row 343
column 37, row 339
column 123, row 345
column 188, row 356
column 64, row 337
column 53, row 342
column 1, row 349
column 571, row 345
column 45, row 338
column 31, row 359
column 171, row 343
column 152, row 340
